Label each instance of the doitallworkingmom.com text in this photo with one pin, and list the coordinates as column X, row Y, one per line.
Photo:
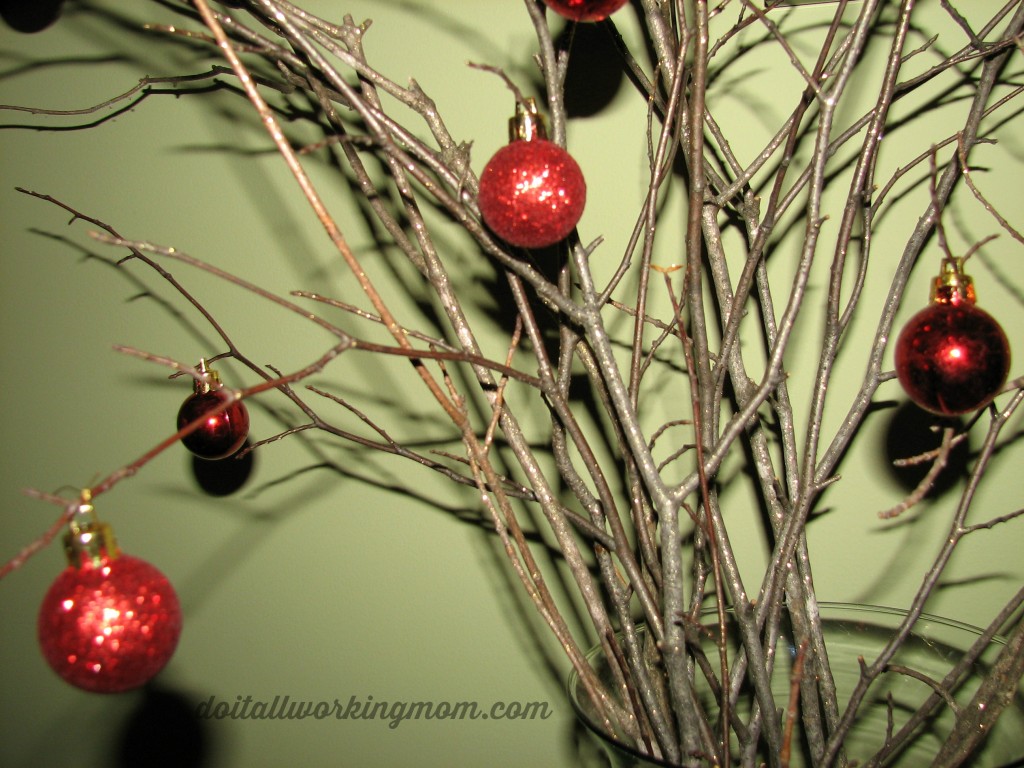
column 367, row 708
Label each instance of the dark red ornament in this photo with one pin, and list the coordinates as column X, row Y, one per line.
column 532, row 191
column 222, row 433
column 952, row 357
column 109, row 622
column 585, row 10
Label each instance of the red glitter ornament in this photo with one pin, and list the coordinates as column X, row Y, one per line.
column 952, row 357
column 221, row 434
column 532, row 192
column 585, row 10
column 109, row 622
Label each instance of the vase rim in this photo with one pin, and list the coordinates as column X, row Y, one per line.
column 891, row 611
column 828, row 610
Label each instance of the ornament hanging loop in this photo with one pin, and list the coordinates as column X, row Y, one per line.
column 527, row 123
column 953, row 285
column 208, row 379
column 88, row 541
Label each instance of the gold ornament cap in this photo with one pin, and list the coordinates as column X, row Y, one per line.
column 208, row 381
column 953, row 285
column 88, row 541
column 527, row 123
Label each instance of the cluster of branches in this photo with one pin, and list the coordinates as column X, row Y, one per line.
column 633, row 507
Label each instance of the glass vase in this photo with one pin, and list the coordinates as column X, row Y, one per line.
column 853, row 632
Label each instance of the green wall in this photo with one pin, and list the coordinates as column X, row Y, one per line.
column 318, row 581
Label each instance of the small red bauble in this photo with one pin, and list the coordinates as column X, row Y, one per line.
column 109, row 622
column 532, row 191
column 585, row 10
column 952, row 357
column 222, row 433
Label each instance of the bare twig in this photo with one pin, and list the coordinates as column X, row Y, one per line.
column 628, row 489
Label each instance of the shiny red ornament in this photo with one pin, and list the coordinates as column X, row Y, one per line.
column 532, row 191
column 222, row 433
column 952, row 357
column 109, row 622
column 585, row 10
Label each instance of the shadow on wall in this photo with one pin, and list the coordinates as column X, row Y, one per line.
column 30, row 16
column 595, row 74
column 226, row 476
column 912, row 432
column 163, row 732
